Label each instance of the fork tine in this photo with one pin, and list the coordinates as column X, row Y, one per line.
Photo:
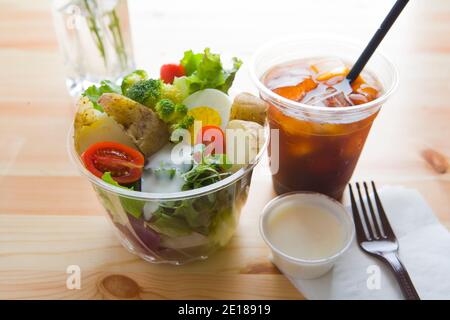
column 360, row 233
column 377, row 232
column 365, row 216
column 383, row 218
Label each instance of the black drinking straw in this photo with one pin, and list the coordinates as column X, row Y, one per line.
column 376, row 39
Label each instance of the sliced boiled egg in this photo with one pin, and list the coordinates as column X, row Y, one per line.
column 210, row 106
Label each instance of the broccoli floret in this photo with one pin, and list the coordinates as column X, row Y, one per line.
column 146, row 92
column 176, row 93
column 165, row 109
column 185, row 123
column 169, row 112
column 132, row 78
column 181, row 109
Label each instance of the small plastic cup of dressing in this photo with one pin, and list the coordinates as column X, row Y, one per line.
column 306, row 232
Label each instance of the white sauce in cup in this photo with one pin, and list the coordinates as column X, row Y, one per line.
column 307, row 232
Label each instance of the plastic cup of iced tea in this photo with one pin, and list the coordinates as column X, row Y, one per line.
column 322, row 121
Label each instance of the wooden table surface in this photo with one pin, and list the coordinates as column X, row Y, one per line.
column 49, row 216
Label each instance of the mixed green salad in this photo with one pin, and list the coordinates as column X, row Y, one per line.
column 131, row 136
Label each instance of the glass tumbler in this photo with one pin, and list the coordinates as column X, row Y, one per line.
column 94, row 38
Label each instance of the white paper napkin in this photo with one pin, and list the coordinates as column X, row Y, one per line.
column 424, row 251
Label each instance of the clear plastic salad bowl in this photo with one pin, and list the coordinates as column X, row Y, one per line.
column 209, row 215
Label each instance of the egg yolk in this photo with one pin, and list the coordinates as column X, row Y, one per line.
column 206, row 115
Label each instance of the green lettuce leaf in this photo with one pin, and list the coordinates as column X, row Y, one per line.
column 94, row 92
column 132, row 206
column 191, row 61
column 205, row 70
column 230, row 75
column 195, row 217
column 169, row 225
column 223, row 227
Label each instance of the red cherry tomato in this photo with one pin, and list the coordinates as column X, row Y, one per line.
column 169, row 71
column 213, row 138
column 124, row 163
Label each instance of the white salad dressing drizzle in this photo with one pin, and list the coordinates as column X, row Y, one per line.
column 161, row 183
column 305, row 232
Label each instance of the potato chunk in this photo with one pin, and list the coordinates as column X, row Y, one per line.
column 92, row 126
column 248, row 107
column 144, row 127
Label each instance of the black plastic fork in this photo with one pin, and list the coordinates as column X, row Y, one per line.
column 376, row 237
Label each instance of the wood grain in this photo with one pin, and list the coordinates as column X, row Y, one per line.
column 49, row 215
column 40, row 248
